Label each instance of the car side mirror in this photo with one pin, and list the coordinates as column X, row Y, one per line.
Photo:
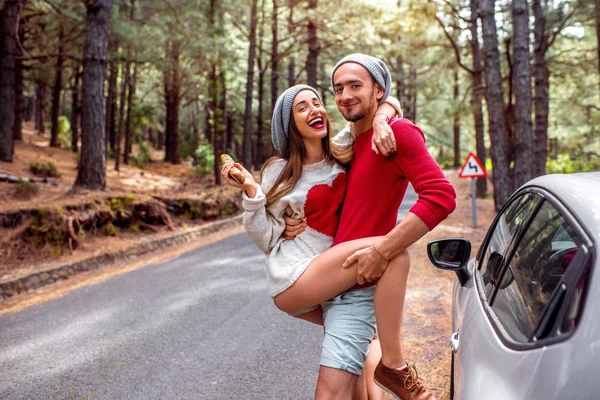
column 452, row 255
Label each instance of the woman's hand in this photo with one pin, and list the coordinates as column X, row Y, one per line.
column 250, row 186
column 383, row 137
column 293, row 227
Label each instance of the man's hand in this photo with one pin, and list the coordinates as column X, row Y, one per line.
column 370, row 265
column 293, row 227
column 383, row 137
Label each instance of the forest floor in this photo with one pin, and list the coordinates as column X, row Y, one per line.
column 157, row 179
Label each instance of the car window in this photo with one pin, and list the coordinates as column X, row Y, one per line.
column 534, row 271
column 512, row 218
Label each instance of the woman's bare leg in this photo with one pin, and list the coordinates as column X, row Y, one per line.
column 315, row 316
column 325, row 278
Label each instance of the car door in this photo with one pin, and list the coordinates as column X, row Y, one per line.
column 487, row 270
column 525, row 284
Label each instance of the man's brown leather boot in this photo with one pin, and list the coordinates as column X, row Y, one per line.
column 402, row 385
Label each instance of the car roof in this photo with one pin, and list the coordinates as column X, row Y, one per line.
column 580, row 192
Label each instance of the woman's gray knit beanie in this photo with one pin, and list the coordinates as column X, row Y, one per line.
column 377, row 68
column 280, row 124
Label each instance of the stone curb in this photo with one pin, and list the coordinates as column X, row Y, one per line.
column 45, row 277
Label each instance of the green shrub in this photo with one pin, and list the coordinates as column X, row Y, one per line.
column 568, row 163
column 26, row 189
column 203, row 159
column 64, row 132
column 142, row 158
column 45, row 170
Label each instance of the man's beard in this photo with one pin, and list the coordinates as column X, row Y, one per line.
column 360, row 114
column 356, row 116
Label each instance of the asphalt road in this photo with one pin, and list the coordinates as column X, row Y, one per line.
column 197, row 327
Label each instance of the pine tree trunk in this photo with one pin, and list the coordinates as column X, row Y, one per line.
column 313, row 47
column 274, row 56
column 19, row 86
column 522, row 85
column 541, row 92
column 292, row 72
column 111, row 98
column 249, row 87
column 130, row 96
column 172, row 82
column 260, row 145
column 413, row 80
column 122, row 100
column 495, row 103
column 8, row 23
column 56, row 91
column 130, row 99
column 75, row 110
column 598, row 37
column 400, row 81
column 476, row 91
column 223, row 114
column 92, row 166
column 258, row 157
column 40, row 107
column 456, row 124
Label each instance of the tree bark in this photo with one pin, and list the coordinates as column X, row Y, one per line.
column 130, row 96
column 122, row 100
column 130, row 100
column 258, row 158
column 40, row 107
column 400, row 81
column 19, row 86
column 495, row 103
column 92, row 165
column 75, row 106
column 172, row 82
column 476, row 91
column 56, row 91
column 456, row 124
column 523, row 170
column 313, row 45
column 8, row 23
column 598, row 37
column 250, row 86
column 111, row 98
column 413, row 96
column 223, row 114
column 541, row 91
column 292, row 72
column 274, row 56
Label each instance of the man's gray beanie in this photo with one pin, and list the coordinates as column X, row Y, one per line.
column 280, row 124
column 377, row 68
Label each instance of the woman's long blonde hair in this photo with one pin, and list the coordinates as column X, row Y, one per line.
column 292, row 171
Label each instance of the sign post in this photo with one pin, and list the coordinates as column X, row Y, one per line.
column 472, row 168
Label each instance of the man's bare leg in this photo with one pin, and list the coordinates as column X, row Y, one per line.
column 374, row 391
column 360, row 388
column 335, row 384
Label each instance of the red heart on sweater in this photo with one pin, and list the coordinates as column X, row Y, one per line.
column 323, row 205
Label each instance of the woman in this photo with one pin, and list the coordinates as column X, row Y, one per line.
column 308, row 182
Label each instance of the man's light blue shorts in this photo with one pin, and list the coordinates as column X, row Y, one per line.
column 349, row 320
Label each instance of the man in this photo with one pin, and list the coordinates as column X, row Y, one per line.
column 376, row 187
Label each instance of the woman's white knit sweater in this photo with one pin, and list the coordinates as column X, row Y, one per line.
column 318, row 197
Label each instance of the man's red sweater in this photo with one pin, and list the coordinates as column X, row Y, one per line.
column 377, row 184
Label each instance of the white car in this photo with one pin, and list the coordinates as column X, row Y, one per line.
column 524, row 309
